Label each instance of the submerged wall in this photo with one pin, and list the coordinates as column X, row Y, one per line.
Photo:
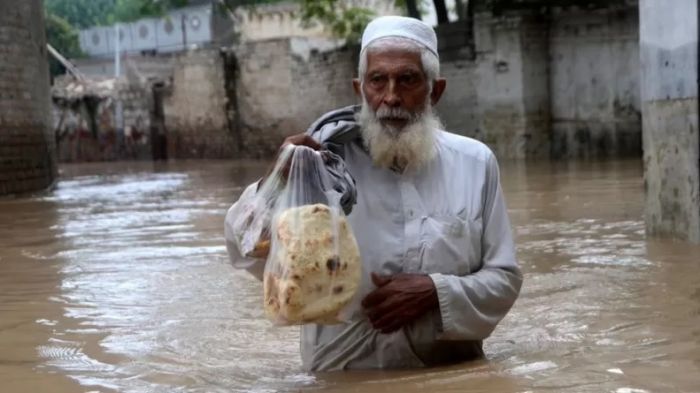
column 27, row 148
column 670, row 71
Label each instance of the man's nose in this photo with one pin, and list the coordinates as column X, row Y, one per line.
column 391, row 98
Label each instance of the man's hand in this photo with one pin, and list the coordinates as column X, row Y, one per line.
column 399, row 300
column 298, row 140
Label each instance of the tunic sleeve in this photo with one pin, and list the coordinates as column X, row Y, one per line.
column 471, row 306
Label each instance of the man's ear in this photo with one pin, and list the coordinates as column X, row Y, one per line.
column 438, row 88
column 357, row 86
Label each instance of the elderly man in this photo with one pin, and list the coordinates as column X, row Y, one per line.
column 429, row 217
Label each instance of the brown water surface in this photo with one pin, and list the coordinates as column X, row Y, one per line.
column 118, row 280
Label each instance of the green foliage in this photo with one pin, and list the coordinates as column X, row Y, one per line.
column 341, row 20
column 348, row 22
column 225, row 6
column 132, row 10
column 81, row 13
column 238, row 3
column 64, row 38
column 86, row 13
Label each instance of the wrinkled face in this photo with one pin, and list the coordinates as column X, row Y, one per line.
column 395, row 86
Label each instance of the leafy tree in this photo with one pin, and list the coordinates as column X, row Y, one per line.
column 81, row 13
column 132, row 10
column 343, row 20
column 441, row 11
column 87, row 13
column 412, row 9
column 347, row 21
column 64, row 38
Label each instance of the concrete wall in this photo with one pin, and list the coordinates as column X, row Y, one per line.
column 458, row 107
column 160, row 66
column 670, row 71
column 273, row 21
column 512, row 85
column 595, row 83
column 563, row 84
column 535, row 87
column 281, row 21
column 284, row 85
column 196, row 111
column 27, row 150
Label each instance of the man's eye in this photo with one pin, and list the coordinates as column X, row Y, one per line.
column 408, row 79
column 376, row 79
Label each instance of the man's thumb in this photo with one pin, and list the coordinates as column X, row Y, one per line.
column 380, row 280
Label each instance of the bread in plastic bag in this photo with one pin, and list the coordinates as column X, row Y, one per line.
column 313, row 265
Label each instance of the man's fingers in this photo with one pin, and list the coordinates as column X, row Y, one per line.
column 385, row 320
column 302, row 140
column 392, row 327
column 378, row 295
column 380, row 280
column 374, row 298
column 311, row 142
column 306, row 140
column 390, row 306
column 391, row 321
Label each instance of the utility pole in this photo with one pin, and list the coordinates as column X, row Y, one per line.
column 118, row 110
column 183, row 23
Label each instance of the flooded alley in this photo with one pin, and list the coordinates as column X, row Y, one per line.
column 118, row 280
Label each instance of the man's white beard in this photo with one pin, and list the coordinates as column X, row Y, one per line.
column 408, row 148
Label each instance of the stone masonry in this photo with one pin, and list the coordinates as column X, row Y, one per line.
column 27, row 148
column 559, row 83
column 196, row 116
column 284, row 85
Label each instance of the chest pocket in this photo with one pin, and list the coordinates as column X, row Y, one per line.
column 450, row 244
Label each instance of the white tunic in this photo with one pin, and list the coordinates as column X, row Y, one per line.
column 449, row 221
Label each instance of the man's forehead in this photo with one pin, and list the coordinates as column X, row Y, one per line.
column 394, row 58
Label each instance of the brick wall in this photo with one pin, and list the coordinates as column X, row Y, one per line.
column 27, row 151
column 565, row 84
column 159, row 66
column 196, row 108
column 284, row 85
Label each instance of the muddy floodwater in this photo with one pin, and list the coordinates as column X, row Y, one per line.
column 118, row 281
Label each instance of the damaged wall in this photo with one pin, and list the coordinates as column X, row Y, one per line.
column 458, row 109
column 550, row 82
column 196, row 115
column 27, row 149
column 85, row 121
column 284, row 85
column 512, row 85
column 670, row 75
column 159, row 66
column 560, row 83
column 595, row 83
column 563, row 84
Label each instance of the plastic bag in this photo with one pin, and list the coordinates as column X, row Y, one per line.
column 313, row 265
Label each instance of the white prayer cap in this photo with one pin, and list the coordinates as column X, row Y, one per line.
column 403, row 27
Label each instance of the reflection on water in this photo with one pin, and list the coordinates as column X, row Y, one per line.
column 118, row 281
